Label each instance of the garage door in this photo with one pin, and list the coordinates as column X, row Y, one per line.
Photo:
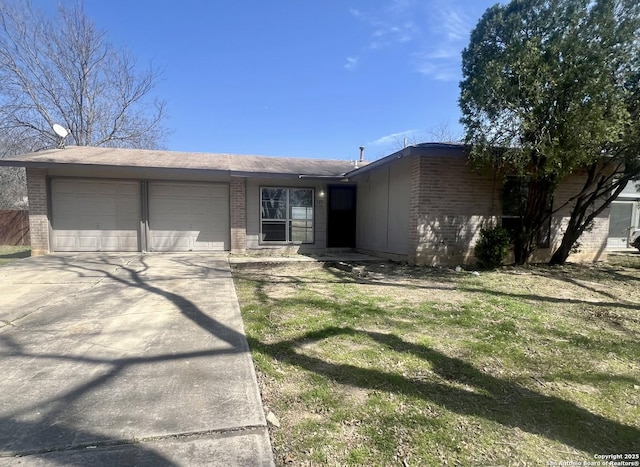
column 188, row 216
column 95, row 215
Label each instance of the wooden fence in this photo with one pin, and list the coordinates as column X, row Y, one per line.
column 14, row 227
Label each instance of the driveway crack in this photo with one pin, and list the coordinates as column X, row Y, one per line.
column 6, row 323
column 222, row 432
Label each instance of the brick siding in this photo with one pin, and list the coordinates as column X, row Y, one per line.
column 449, row 204
column 238, row 193
column 38, row 219
column 415, row 198
column 592, row 244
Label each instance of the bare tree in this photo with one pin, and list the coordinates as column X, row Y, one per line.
column 13, row 189
column 63, row 70
column 442, row 133
column 439, row 133
column 13, row 182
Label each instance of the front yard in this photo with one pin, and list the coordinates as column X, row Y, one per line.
column 9, row 253
column 392, row 365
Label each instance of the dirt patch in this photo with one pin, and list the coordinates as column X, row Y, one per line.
column 377, row 280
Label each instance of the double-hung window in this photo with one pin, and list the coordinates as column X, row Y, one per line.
column 286, row 215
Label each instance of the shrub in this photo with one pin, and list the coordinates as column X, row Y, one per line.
column 492, row 247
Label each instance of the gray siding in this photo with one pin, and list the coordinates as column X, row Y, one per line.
column 383, row 208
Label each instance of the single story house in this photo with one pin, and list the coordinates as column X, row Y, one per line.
column 423, row 204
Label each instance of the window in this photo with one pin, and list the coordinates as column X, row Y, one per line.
column 286, row 215
column 515, row 193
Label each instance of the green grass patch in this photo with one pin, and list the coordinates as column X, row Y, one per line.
column 424, row 366
column 627, row 260
column 9, row 254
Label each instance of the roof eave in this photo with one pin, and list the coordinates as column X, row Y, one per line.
column 405, row 152
column 15, row 163
column 137, row 168
column 75, row 166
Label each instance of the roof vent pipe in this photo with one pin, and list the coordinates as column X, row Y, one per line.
column 361, row 153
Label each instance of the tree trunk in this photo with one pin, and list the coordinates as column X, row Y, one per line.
column 520, row 251
column 591, row 203
column 570, row 237
column 526, row 242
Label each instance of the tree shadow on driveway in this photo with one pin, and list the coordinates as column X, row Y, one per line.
column 45, row 426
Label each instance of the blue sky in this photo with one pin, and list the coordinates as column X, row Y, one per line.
column 298, row 78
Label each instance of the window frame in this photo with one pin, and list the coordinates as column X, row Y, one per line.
column 288, row 219
column 544, row 236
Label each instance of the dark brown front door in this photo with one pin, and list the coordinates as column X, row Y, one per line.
column 341, row 217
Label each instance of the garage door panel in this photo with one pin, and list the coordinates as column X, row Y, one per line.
column 129, row 242
column 169, row 190
column 108, row 223
column 66, row 242
column 67, row 186
column 163, row 204
column 123, row 223
column 127, row 210
column 169, row 241
column 188, row 216
column 169, row 206
column 219, row 211
column 209, row 247
column 219, row 192
column 203, row 210
column 199, row 191
column 94, row 215
column 68, row 200
column 88, row 241
column 66, row 221
column 164, row 220
column 202, row 239
column 87, row 222
column 130, row 190
column 100, row 205
column 111, row 243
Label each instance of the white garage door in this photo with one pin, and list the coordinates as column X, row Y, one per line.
column 188, row 216
column 95, row 215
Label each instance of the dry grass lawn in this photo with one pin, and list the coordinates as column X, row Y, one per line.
column 393, row 365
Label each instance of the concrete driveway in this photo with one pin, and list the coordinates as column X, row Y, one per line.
column 126, row 359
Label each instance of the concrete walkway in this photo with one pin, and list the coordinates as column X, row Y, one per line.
column 341, row 256
column 126, row 359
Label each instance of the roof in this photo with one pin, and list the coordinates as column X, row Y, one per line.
column 233, row 164
column 88, row 156
column 422, row 149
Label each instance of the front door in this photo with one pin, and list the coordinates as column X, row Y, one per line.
column 341, row 217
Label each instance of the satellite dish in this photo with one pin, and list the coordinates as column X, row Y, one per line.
column 61, row 131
